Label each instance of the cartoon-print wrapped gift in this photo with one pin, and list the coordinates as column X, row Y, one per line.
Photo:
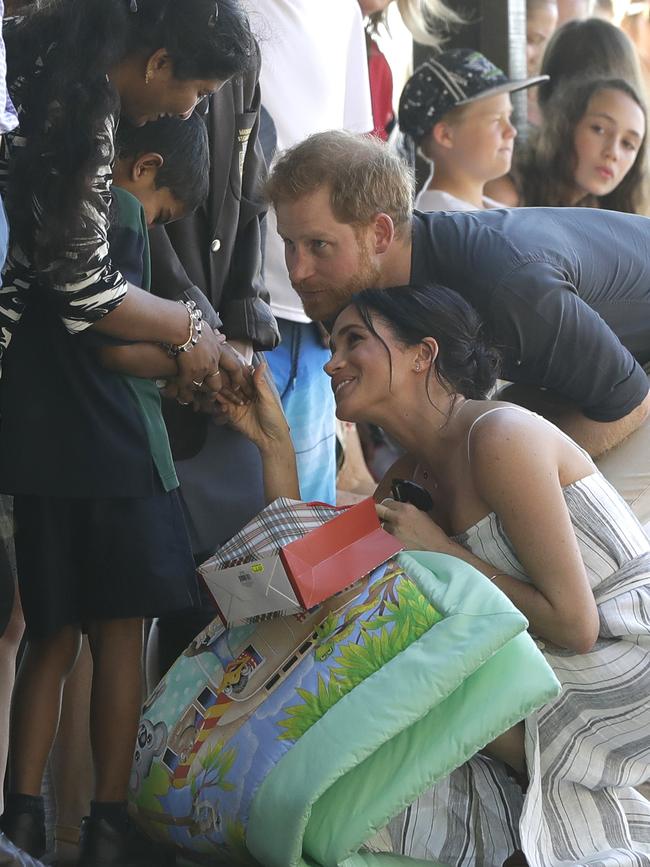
column 290, row 742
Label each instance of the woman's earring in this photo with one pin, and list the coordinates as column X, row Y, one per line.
column 147, row 77
column 417, row 366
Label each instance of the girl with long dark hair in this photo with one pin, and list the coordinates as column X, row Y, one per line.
column 590, row 150
column 517, row 499
column 100, row 536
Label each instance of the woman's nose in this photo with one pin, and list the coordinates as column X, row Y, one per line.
column 331, row 366
column 612, row 148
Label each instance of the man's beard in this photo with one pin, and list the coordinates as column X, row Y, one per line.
column 325, row 305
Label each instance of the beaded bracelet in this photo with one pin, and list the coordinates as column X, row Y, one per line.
column 196, row 327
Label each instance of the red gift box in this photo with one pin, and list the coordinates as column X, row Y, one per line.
column 337, row 554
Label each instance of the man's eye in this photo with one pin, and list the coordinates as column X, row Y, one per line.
column 319, row 245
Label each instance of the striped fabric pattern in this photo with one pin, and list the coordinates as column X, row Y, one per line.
column 588, row 750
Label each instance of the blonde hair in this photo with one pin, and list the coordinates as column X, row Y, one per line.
column 420, row 17
column 364, row 177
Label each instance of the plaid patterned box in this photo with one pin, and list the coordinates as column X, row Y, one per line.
column 281, row 522
column 287, row 559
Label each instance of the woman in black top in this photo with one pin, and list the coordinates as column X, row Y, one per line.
column 75, row 65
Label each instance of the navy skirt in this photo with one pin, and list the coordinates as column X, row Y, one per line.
column 81, row 560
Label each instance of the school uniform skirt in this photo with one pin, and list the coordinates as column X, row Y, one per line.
column 82, row 560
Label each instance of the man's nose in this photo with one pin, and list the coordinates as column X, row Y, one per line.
column 299, row 266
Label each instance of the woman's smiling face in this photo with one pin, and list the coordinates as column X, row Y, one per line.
column 366, row 369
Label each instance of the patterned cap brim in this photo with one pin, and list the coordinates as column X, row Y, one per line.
column 507, row 87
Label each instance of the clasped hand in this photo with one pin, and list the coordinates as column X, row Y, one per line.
column 262, row 419
column 209, row 369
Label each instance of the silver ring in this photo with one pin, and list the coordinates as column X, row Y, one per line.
column 214, row 373
column 198, row 384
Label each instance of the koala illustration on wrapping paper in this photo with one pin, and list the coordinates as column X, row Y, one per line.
column 151, row 742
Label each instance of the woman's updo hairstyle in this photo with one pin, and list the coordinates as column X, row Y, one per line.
column 59, row 56
column 466, row 364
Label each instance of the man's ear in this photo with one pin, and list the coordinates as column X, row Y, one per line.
column 443, row 134
column 384, row 232
column 146, row 167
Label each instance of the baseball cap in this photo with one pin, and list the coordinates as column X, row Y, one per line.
column 454, row 77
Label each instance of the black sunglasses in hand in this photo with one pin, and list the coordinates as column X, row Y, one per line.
column 405, row 491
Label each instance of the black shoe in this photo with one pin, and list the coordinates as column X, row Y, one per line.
column 103, row 845
column 26, row 831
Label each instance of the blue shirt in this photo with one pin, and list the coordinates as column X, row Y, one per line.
column 563, row 292
column 8, row 116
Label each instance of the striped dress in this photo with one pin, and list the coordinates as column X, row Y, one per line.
column 588, row 750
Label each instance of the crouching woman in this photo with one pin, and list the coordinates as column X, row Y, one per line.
column 522, row 503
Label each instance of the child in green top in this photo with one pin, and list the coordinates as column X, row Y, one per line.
column 131, row 557
column 160, row 175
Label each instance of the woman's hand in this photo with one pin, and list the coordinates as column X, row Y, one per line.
column 237, row 371
column 228, row 373
column 198, row 366
column 262, row 420
column 414, row 528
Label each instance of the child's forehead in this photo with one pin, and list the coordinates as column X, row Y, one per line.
column 488, row 104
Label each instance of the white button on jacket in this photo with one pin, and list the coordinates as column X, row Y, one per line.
column 216, row 245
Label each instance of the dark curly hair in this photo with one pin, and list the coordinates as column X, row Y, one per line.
column 546, row 167
column 59, row 54
column 466, row 364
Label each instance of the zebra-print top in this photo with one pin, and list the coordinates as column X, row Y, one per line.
column 92, row 287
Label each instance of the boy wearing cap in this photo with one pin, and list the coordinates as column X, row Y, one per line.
column 457, row 109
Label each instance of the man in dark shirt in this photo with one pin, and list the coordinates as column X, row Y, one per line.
column 564, row 293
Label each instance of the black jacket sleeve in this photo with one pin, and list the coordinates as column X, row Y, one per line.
column 218, row 247
column 245, row 306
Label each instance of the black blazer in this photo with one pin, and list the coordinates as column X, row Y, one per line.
column 218, row 248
